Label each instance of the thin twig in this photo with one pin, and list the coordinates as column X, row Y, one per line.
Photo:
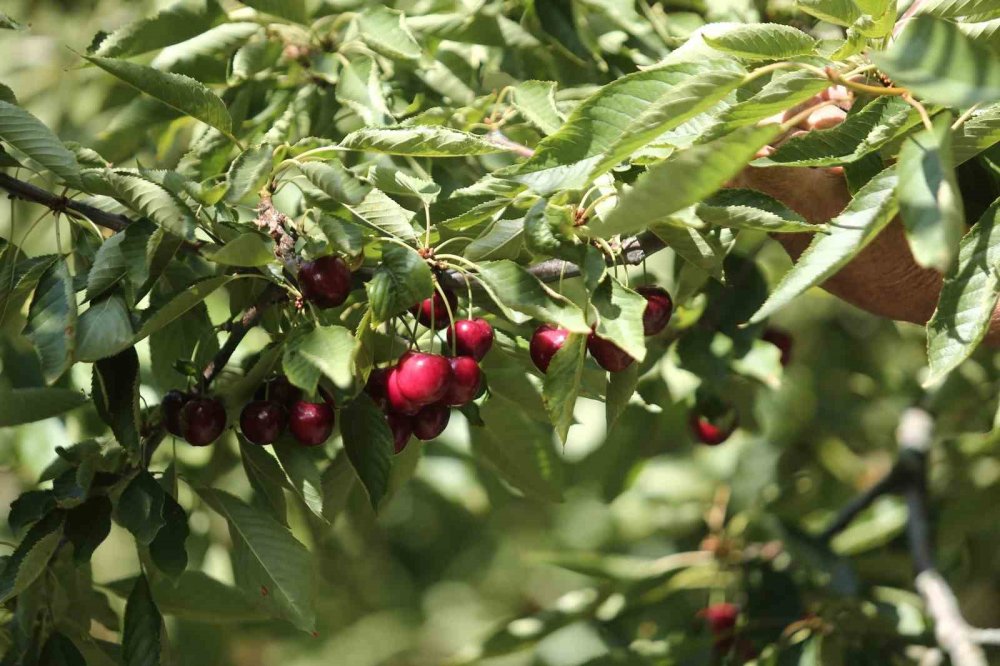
column 28, row 192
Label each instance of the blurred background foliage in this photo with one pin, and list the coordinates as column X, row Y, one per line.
column 651, row 528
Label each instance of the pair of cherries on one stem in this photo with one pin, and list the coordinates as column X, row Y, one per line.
column 279, row 405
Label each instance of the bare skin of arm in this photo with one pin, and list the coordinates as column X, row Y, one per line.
column 884, row 279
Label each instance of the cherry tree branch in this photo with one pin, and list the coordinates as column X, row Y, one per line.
column 20, row 189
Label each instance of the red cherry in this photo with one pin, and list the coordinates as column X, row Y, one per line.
column 325, row 281
column 262, row 421
column 781, row 340
column 311, row 422
column 466, row 378
column 545, row 342
column 402, row 429
column 430, row 422
column 423, row 378
column 659, row 307
column 398, row 402
column 434, row 308
column 471, row 337
column 721, row 620
column 377, row 387
column 712, row 434
column 608, row 355
column 203, row 420
column 172, row 404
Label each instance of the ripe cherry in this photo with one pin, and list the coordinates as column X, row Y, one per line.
column 203, row 420
column 325, row 281
column 659, row 307
column 712, row 432
column 433, row 309
column 423, row 378
column 311, row 422
column 466, row 378
column 171, row 406
column 262, row 421
column 430, row 422
column 781, row 340
column 471, row 337
column 721, row 620
column 377, row 387
column 396, row 401
column 545, row 342
column 608, row 355
column 402, row 429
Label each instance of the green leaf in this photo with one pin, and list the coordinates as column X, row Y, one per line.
column 359, row 88
column 368, row 443
column 27, row 405
column 516, row 288
column 141, row 636
column 977, row 134
column 504, row 239
column 7, row 23
column 384, row 215
column 337, row 482
column 942, row 65
column 839, row 12
column 249, row 250
column 327, row 351
column 783, row 92
column 87, row 526
column 402, row 280
column 621, row 388
column 52, row 321
column 764, row 41
column 31, row 557
column 26, row 133
column 266, row 478
column 300, row 473
column 293, row 10
column 968, row 298
column 684, row 179
column 384, row 31
column 191, row 337
column 140, row 508
column 562, row 383
column 175, row 90
column 249, row 172
column 196, row 597
column 419, row 142
column 619, row 316
column 337, row 183
column 152, row 200
column 982, row 10
column 930, row 202
column 275, row 560
column 180, row 304
column 172, row 25
column 29, row 507
column 869, row 212
column 536, row 101
column 60, row 651
column 749, row 209
column 167, row 548
column 115, row 391
column 104, row 329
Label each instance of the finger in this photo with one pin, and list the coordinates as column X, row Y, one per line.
column 825, row 118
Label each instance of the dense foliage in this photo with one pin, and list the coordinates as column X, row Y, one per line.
column 252, row 248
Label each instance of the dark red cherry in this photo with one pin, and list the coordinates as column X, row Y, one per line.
column 781, row 340
column 171, row 405
column 402, row 429
column 203, row 420
column 721, row 618
column 377, row 387
column 279, row 390
column 263, row 421
column 471, row 337
column 545, row 342
column 659, row 307
column 325, row 281
column 430, row 422
column 423, row 378
column 712, row 432
column 395, row 399
column 466, row 378
column 608, row 355
column 435, row 308
column 311, row 422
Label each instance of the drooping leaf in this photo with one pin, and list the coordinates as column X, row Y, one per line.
column 140, row 508
column 190, row 338
column 60, row 651
column 419, row 142
column 968, row 298
column 619, row 316
column 868, row 213
column 174, row 24
column 682, row 180
column 402, row 280
column 115, row 391
column 536, row 101
column 301, row 474
column 359, row 88
column 368, row 443
column 266, row 478
column 942, row 65
column 175, row 90
column 87, row 526
column 322, row 351
column 197, row 597
column 142, row 634
column 31, row 557
column 621, row 388
column 275, row 559
column 29, row 135
column 516, row 288
column 52, row 320
column 27, row 405
column 249, row 172
column 293, row 10
column 384, row 31
column 764, row 41
column 562, row 383
column 930, row 202
column 749, row 209
column 104, row 329
column 167, row 548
